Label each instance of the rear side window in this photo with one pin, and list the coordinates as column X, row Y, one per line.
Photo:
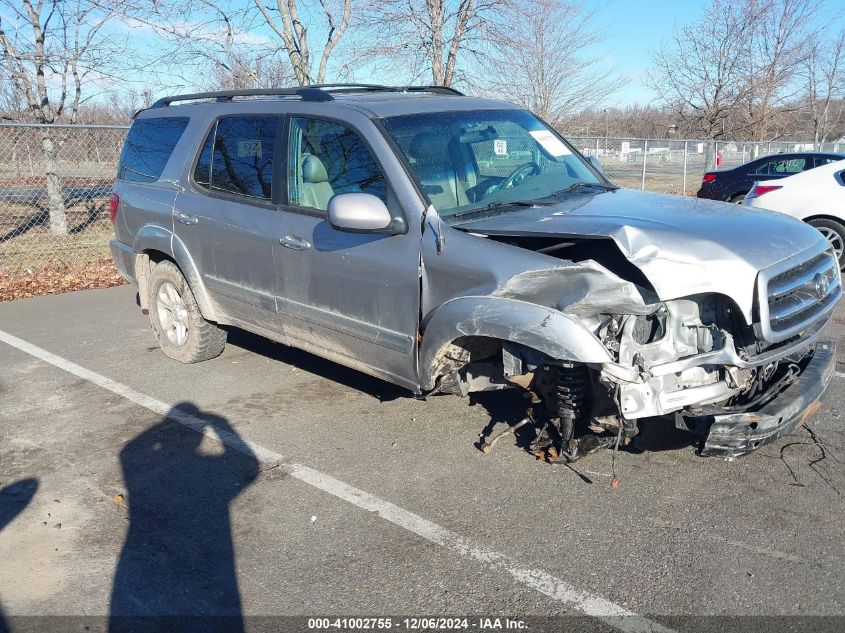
column 148, row 147
column 790, row 166
column 237, row 156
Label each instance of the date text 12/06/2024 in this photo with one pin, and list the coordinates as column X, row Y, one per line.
column 416, row 624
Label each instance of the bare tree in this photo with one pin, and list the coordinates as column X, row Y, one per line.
column 214, row 39
column 284, row 20
column 733, row 72
column 12, row 106
column 49, row 49
column 701, row 72
column 540, row 53
column 116, row 106
column 823, row 75
column 243, row 47
column 778, row 46
column 431, row 36
column 251, row 71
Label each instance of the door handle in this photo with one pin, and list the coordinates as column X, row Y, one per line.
column 184, row 218
column 295, row 242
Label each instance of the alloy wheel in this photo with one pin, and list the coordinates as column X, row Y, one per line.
column 172, row 314
column 835, row 240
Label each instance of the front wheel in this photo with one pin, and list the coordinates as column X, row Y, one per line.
column 835, row 233
column 179, row 327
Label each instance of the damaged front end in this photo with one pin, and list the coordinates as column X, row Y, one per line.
column 697, row 363
column 694, row 362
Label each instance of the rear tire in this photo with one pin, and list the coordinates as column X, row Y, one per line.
column 737, row 198
column 178, row 325
column 835, row 233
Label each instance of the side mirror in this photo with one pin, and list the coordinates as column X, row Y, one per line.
column 596, row 164
column 359, row 213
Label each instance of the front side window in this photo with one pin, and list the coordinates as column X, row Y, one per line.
column 237, row 156
column 148, row 147
column 326, row 158
column 471, row 162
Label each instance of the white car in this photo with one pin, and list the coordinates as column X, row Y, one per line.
column 816, row 196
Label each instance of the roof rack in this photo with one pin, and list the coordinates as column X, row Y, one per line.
column 317, row 92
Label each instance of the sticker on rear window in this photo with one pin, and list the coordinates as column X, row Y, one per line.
column 500, row 147
column 551, row 143
column 249, row 148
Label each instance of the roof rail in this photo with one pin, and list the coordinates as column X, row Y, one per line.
column 306, row 93
column 317, row 92
column 443, row 90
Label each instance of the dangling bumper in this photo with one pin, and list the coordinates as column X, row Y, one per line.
column 735, row 434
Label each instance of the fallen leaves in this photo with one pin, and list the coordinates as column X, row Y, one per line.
column 57, row 277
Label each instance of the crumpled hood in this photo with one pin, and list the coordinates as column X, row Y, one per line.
column 683, row 245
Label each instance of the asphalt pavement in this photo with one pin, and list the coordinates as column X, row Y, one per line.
column 313, row 490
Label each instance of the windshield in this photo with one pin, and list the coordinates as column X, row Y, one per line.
column 488, row 160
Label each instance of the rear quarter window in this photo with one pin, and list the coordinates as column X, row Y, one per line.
column 148, row 147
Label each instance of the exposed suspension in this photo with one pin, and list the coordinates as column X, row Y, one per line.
column 562, row 391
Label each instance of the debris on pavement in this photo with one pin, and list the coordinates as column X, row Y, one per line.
column 56, row 277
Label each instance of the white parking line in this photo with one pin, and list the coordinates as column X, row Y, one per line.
column 535, row 579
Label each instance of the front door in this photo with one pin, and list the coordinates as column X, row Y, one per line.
column 352, row 297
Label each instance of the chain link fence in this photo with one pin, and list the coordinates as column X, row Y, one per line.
column 55, row 183
column 677, row 166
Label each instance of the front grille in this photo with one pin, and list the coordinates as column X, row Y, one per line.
column 798, row 297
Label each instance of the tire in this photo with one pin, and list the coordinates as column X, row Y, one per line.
column 737, row 198
column 835, row 233
column 182, row 332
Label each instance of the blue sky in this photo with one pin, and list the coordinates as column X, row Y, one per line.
column 632, row 29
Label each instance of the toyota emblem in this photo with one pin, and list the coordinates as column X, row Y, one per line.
column 821, row 284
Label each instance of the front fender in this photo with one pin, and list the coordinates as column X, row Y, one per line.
column 543, row 329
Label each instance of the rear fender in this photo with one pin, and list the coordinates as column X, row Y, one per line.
column 156, row 238
column 543, row 329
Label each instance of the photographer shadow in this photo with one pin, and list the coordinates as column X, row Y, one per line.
column 14, row 498
column 176, row 570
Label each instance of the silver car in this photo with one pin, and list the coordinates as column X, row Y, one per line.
column 454, row 244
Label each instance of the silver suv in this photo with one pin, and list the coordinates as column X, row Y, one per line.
column 447, row 243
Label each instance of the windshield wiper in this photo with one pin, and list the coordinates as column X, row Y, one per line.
column 583, row 185
column 505, row 205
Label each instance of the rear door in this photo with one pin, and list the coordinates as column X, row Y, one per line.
column 352, row 297
column 228, row 218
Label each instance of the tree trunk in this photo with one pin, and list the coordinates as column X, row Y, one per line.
column 709, row 155
column 55, row 201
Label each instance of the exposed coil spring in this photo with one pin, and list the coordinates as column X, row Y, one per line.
column 571, row 390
